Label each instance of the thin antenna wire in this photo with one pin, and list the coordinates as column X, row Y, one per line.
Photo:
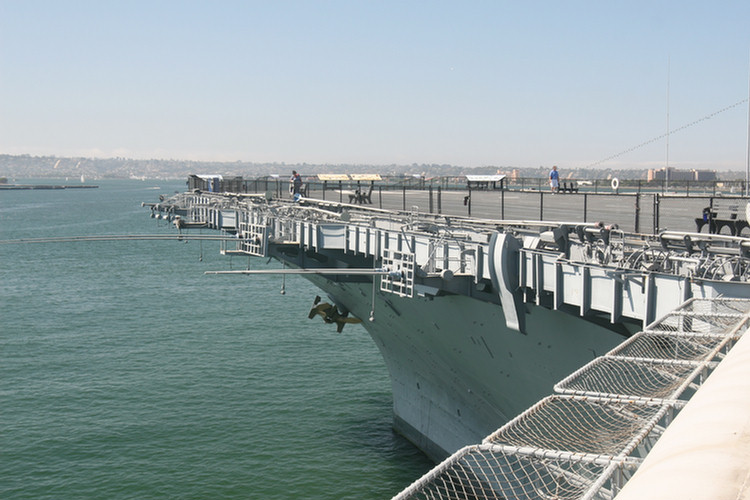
column 660, row 137
column 747, row 167
column 666, row 170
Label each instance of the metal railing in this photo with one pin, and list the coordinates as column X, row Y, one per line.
column 636, row 205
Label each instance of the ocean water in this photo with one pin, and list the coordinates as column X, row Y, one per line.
column 126, row 373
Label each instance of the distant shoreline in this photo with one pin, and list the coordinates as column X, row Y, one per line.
column 45, row 186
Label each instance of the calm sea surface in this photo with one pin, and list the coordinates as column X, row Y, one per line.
column 127, row 373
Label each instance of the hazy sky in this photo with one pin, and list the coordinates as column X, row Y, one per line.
column 523, row 83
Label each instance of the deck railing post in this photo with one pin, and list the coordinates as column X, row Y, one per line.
column 431, row 198
column 502, row 204
column 585, row 206
column 440, row 200
column 637, row 210
column 541, row 205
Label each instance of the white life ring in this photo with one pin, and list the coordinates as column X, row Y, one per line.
column 615, row 184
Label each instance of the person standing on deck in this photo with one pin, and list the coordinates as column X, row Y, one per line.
column 554, row 180
column 296, row 186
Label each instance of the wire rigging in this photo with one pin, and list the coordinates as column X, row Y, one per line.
column 666, row 134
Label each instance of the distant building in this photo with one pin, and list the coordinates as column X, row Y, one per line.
column 513, row 175
column 681, row 175
column 705, row 175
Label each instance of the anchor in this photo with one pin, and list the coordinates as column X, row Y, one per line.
column 330, row 314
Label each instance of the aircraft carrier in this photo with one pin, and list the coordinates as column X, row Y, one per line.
column 476, row 319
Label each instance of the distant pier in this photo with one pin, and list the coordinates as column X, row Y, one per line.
column 46, row 186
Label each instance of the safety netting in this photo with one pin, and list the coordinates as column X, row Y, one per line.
column 495, row 472
column 716, row 305
column 693, row 323
column 611, row 376
column 654, row 345
column 588, row 439
column 583, row 425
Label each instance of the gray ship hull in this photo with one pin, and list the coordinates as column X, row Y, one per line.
column 457, row 372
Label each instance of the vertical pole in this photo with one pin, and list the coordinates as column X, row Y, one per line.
column 666, row 170
column 596, row 186
column 341, row 194
column 430, row 198
column 585, row 207
column 440, row 200
column 637, row 212
column 541, row 205
column 380, row 196
column 502, row 204
column 656, row 213
column 747, row 166
column 404, row 198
